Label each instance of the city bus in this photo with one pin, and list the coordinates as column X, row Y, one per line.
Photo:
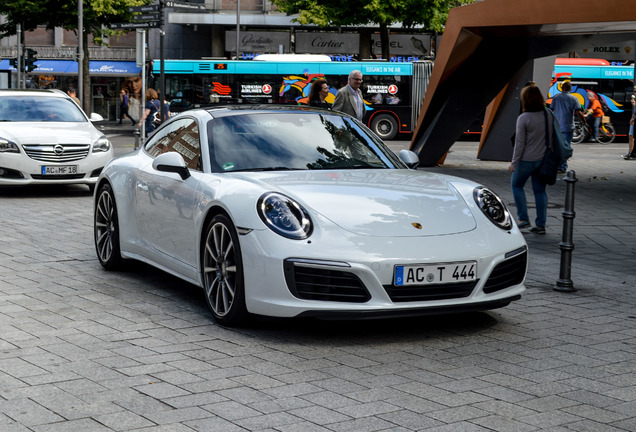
column 613, row 84
column 392, row 91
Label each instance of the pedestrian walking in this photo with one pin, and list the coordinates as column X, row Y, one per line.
column 349, row 98
column 565, row 107
column 73, row 94
column 152, row 106
column 631, row 154
column 318, row 94
column 123, row 107
column 530, row 147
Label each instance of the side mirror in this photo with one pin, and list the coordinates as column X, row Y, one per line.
column 409, row 158
column 171, row 162
column 94, row 117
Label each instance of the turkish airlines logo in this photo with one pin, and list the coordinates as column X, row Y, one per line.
column 393, row 89
column 267, row 89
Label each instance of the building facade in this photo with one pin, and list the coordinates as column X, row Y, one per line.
column 218, row 29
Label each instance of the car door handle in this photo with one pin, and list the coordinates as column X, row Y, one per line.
column 142, row 187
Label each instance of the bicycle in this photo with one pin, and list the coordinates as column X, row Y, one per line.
column 583, row 131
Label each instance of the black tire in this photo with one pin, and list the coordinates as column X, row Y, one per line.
column 606, row 133
column 222, row 272
column 384, row 126
column 580, row 132
column 106, row 229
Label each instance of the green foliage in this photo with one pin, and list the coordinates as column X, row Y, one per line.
column 97, row 14
column 431, row 14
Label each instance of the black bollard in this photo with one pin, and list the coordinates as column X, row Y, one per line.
column 567, row 246
column 137, row 134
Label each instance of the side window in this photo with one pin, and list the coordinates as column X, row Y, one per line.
column 181, row 136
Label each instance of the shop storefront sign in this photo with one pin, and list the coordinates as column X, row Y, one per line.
column 409, row 45
column 327, row 43
column 622, row 51
column 260, row 42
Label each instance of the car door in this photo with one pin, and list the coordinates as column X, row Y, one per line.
column 166, row 203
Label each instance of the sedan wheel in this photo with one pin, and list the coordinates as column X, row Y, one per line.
column 223, row 272
column 106, row 229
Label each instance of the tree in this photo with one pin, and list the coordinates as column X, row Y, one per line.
column 431, row 14
column 97, row 15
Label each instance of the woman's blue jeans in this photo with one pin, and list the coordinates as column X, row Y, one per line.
column 520, row 176
column 567, row 136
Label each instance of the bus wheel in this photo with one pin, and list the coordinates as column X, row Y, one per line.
column 384, row 126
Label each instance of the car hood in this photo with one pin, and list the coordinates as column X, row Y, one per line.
column 49, row 132
column 379, row 202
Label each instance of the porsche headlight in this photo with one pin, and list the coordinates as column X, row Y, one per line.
column 7, row 146
column 101, row 145
column 492, row 206
column 284, row 216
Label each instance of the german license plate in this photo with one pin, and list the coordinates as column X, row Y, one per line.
column 59, row 170
column 422, row 274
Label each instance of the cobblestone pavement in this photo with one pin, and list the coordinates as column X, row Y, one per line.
column 82, row 349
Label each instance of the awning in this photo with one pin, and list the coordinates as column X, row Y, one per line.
column 69, row 67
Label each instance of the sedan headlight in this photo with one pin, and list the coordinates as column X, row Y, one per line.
column 492, row 206
column 284, row 216
column 7, row 146
column 101, row 145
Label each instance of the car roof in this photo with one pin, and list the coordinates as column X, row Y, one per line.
column 232, row 110
column 34, row 92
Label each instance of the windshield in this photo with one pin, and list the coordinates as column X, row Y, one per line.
column 39, row 109
column 294, row 141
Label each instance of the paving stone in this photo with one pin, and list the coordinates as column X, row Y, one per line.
column 83, row 349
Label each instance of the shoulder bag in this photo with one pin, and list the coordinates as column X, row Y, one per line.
column 556, row 152
column 156, row 116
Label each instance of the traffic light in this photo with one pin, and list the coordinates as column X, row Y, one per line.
column 13, row 62
column 31, row 59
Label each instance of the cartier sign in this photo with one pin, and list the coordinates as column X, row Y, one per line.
column 327, row 43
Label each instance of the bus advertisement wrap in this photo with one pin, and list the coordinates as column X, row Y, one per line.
column 387, row 87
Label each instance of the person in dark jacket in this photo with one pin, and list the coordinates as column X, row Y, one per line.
column 318, row 94
column 123, row 107
column 152, row 106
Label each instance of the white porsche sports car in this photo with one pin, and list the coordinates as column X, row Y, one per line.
column 292, row 211
column 45, row 138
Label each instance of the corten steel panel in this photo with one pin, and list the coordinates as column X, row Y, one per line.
column 484, row 46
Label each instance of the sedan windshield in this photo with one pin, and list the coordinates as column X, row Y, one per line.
column 39, row 109
column 294, row 141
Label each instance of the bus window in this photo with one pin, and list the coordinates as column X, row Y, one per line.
column 385, row 90
column 257, row 89
column 179, row 92
column 211, row 89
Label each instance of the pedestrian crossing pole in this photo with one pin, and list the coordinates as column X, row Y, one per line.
column 565, row 283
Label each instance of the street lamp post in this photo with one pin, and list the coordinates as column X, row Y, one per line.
column 80, row 53
column 238, row 25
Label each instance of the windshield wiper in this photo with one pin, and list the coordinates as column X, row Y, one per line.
column 276, row 168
